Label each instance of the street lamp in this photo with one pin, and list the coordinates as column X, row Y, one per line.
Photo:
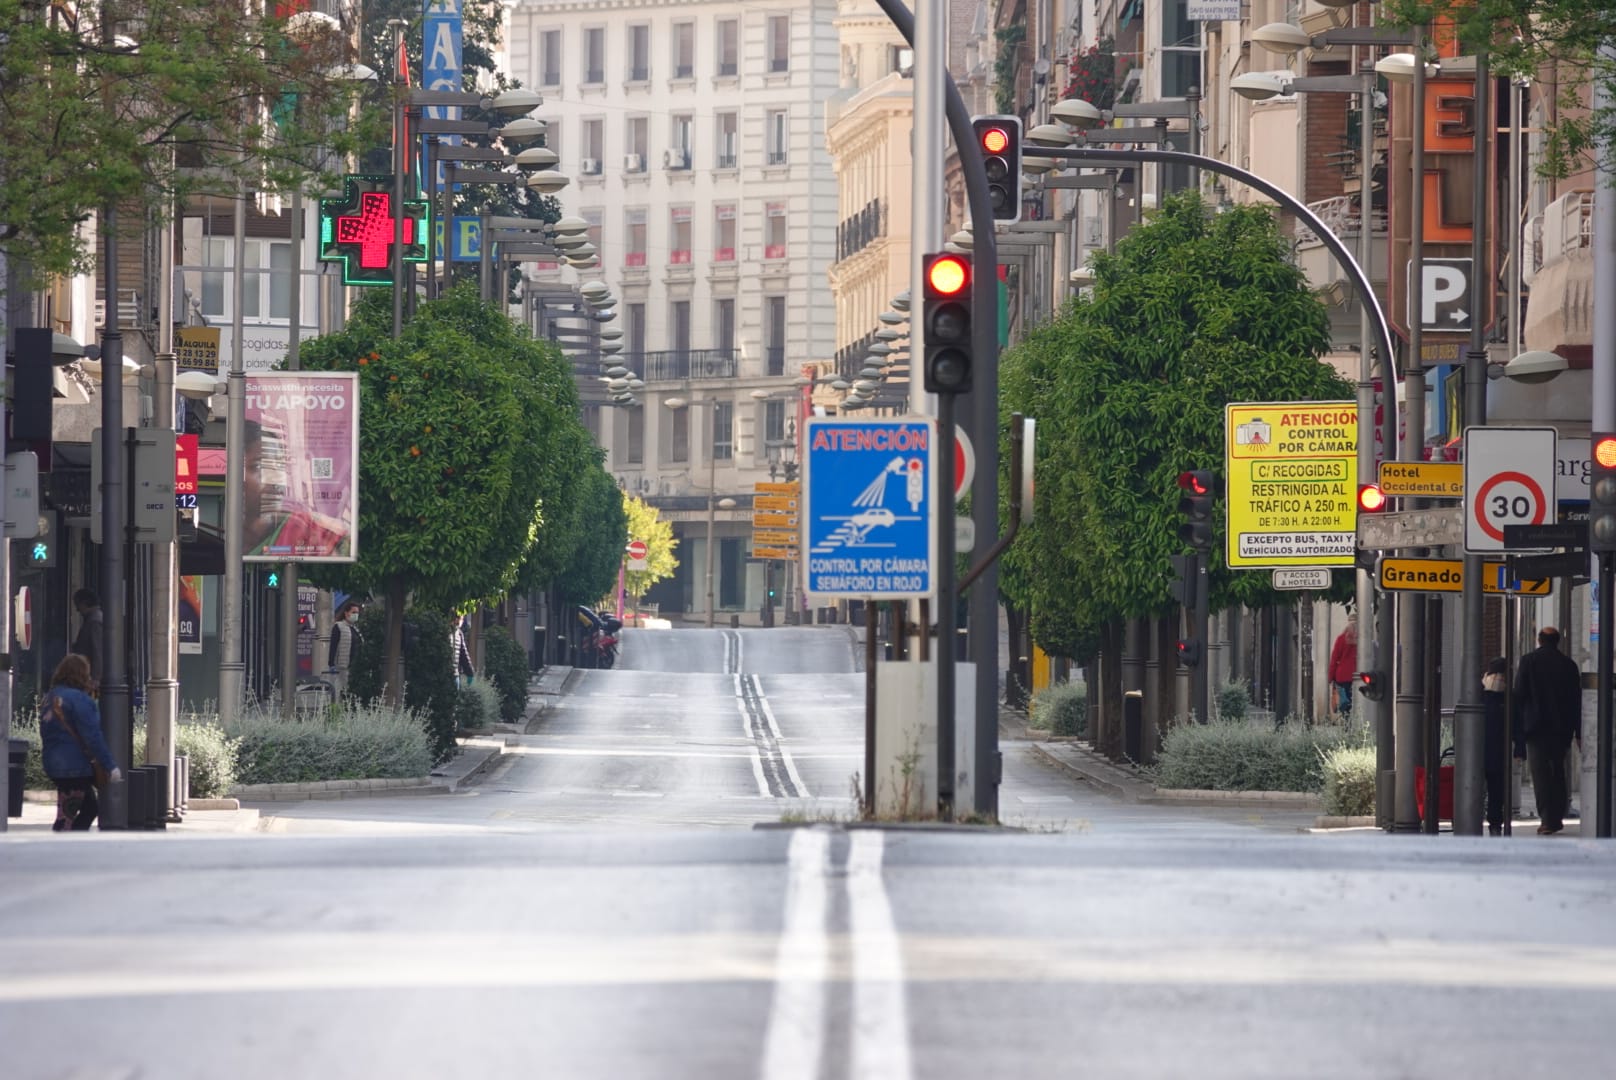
column 677, row 403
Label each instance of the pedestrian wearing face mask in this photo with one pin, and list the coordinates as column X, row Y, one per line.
column 345, row 639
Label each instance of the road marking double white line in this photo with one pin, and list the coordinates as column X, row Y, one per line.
column 880, row 1020
column 794, row 1042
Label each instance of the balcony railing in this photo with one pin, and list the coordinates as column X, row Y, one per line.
column 857, row 232
column 669, row 364
column 776, row 358
column 1340, row 215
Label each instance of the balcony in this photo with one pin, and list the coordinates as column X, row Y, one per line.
column 668, row 365
column 1340, row 215
column 859, row 231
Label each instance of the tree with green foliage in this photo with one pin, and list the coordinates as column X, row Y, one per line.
column 140, row 104
column 460, row 420
column 591, row 570
column 1538, row 39
column 1195, row 309
column 645, row 524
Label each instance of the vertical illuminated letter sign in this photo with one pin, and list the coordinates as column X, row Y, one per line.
column 357, row 230
column 440, row 70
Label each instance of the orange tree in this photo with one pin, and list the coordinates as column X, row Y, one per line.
column 1194, row 310
column 461, row 419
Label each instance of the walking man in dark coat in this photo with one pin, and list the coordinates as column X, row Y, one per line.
column 1548, row 704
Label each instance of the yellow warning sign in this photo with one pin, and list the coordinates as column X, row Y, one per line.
column 1292, row 483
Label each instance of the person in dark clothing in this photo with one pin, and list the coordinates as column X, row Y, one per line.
column 1498, row 771
column 463, row 669
column 72, row 744
column 345, row 641
column 88, row 642
column 1548, row 713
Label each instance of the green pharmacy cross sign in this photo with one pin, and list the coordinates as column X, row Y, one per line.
column 357, row 230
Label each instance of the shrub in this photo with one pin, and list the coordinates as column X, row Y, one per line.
column 506, row 664
column 212, row 754
column 429, row 686
column 1349, row 781
column 1236, row 756
column 1233, row 700
column 357, row 742
column 34, row 778
column 1061, row 708
column 477, row 707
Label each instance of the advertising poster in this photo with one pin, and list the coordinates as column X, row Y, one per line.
column 1292, row 479
column 307, row 596
column 196, row 348
column 301, row 489
column 190, row 614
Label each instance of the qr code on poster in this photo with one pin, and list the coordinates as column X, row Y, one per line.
column 320, row 468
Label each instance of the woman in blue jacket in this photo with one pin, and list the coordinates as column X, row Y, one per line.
column 71, row 738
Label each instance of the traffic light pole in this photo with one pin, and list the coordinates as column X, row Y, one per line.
column 1200, row 617
column 1604, row 420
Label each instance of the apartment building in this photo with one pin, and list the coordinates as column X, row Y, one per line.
column 692, row 132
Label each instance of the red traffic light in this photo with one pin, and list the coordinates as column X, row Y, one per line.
column 1195, row 482
column 995, row 140
column 1371, row 500
column 1604, row 452
column 1371, row 684
column 948, row 275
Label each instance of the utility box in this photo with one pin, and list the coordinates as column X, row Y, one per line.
column 906, row 739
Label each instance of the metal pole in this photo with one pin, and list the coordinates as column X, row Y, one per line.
column 162, row 688
column 1411, row 607
column 1517, row 147
column 429, row 184
column 1192, row 101
column 288, row 601
column 1604, row 419
column 115, row 719
column 1375, row 713
column 712, row 513
column 485, row 258
column 400, row 170
column 232, row 668
column 872, row 617
column 947, row 609
column 1469, row 719
column 930, row 43
column 1431, row 718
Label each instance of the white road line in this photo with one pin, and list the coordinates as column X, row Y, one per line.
column 880, row 1021
column 785, row 755
column 736, row 634
column 757, row 771
column 795, row 1039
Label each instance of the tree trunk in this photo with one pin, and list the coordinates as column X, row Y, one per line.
column 393, row 684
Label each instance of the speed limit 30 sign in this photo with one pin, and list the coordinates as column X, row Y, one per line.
column 1509, row 477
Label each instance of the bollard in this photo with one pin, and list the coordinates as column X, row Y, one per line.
column 1133, row 725
column 182, row 784
column 135, row 780
column 157, row 812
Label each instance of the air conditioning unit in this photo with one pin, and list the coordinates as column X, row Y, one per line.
column 633, row 163
column 590, row 166
column 677, row 158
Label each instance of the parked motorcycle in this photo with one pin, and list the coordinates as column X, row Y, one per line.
column 598, row 649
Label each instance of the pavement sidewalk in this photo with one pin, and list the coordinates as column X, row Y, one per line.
column 37, row 818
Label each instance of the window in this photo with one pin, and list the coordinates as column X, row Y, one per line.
column 597, row 231
column 779, row 42
column 723, row 430
column 774, row 328
column 724, row 234
column 681, row 126
column 729, row 51
column 595, row 55
column 265, row 294
column 679, row 235
column 727, row 123
column 684, row 50
column 679, row 325
column 552, row 137
column 639, row 53
column 679, row 436
column 635, row 220
column 900, row 58
column 594, row 145
column 777, row 136
column 634, row 452
column 774, row 231
column 638, row 139
column 635, row 330
column 724, row 324
column 1181, row 49
column 550, row 58
column 774, row 423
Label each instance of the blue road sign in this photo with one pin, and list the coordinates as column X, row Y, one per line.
column 869, row 499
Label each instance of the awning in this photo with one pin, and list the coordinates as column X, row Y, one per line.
column 1560, row 309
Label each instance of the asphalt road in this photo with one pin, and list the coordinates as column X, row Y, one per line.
column 601, row 910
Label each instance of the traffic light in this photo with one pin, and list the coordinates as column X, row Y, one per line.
column 946, row 317
column 1189, row 652
column 1000, row 140
column 1371, row 500
column 1200, row 490
column 1183, row 583
column 1602, row 493
column 273, row 580
column 1372, row 684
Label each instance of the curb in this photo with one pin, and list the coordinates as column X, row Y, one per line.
column 1114, row 788
column 338, row 789
column 1356, row 821
column 1262, row 800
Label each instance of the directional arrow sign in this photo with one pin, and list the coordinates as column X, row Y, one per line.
column 777, row 503
column 765, row 487
column 769, row 538
column 774, row 521
column 1551, row 535
column 1447, row 575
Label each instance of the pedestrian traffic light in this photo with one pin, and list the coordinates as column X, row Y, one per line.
column 1200, row 490
column 946, row 314
column 1372, row 684
column 1189, row 652
column 1602, row 493
column 1000, row 140
column 1371, row 500
column 1183, row 583
column 273, row 581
